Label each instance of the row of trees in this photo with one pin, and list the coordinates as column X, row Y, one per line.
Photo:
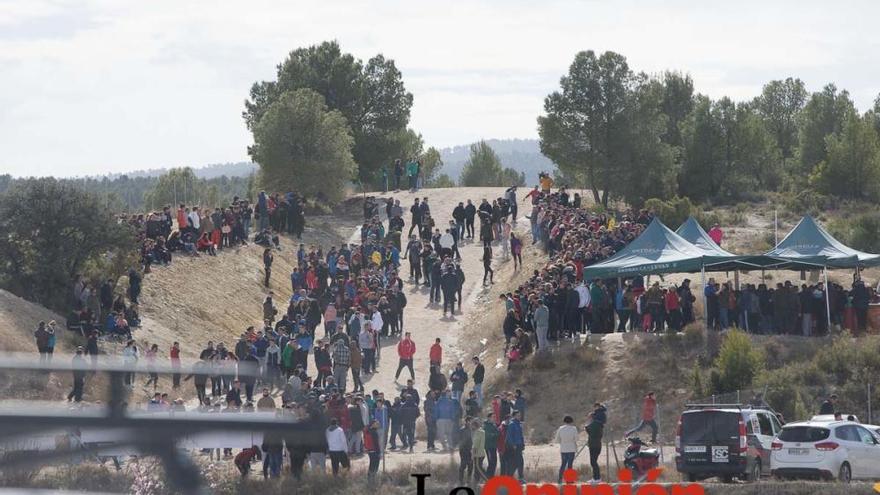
column 629, row 136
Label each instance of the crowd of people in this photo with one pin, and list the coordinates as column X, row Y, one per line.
column 205, row 231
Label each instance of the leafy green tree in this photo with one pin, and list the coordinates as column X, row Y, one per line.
column 510, row 177
column 875, row 112
column 649, row 162
column 593, row 127
column 371, row 97
column 758, row 159
column 852, row 166
column 728, row 151
column 431, row 165
column 483, row 168
column 53, row 231
column 825, row 113
column 178, row 185
column 5, row 181
column 677, row 103
column 301, row 145
column 442, row 180
column 780, row 103
column 703, row 140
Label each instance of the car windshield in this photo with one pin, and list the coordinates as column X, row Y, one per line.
column 803, row 434
column 709, row 427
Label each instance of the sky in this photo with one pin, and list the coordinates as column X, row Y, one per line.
column 96, row 86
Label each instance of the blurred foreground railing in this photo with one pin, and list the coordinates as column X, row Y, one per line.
column 152, row 433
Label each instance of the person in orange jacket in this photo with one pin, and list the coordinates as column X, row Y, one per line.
column 649, row 412
column 406, row 349
column 436, row 354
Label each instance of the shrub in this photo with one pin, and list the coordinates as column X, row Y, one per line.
column 738, row 363
column 694, row 336
column 860, row 232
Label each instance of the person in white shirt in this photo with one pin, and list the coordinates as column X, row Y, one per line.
column 566, row 437
column 337, row 447
column 194, row 218
column 583, row 302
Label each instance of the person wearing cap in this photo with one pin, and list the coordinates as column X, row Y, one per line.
column 649, row 411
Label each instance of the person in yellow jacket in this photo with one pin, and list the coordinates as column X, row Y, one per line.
column 546, row 183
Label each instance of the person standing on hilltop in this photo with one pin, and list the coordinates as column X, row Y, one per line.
column 268, row 258
column 470, row 213
column 406, row 349
column 435, row 354
column 416, row 218
column 716, row 234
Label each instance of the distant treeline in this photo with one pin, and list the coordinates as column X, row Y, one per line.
column 123, row 193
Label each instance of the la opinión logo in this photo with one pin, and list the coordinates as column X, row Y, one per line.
column 508, row 485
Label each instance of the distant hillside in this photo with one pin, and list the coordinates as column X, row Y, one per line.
column 237, row 169
column 522, row 155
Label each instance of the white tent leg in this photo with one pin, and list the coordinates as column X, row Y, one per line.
column 827, row 299
column 703, row 292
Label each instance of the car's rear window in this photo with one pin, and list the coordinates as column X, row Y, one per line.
column 709, row 427
column 803, row 433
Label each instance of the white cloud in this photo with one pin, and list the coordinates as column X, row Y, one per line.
column 97, row 86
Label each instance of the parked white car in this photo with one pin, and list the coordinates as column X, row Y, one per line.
column 827, row 418
column 842, row 450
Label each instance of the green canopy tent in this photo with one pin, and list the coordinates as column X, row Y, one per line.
column 809, row 243
column 809, row 246
column 657, row 250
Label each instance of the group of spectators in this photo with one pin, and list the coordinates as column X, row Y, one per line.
column 205, row 231
column 787, row 308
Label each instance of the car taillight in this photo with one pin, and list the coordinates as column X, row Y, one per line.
column 678, row 436
column 743, row 445
column 776, row 445
column 827, row 446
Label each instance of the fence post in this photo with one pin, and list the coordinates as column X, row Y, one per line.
column 713, row 398
column 738, row 400
column 870, row 420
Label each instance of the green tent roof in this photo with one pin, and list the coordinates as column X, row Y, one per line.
column 656, row 250
column 692, row 232
column 809, row 243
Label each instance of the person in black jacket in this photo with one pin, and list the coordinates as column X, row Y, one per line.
column 416, row 211
column 409, row 413
column 828, row 405
column 449, row 285
column 470, row 212
column 478, row 376
column 79, row 376
column 459, row 215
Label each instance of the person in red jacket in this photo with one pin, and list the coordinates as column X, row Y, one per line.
column 436, row 354
column 371, row 445
column 649, row 412
column 406, row 349
column 244, row 458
